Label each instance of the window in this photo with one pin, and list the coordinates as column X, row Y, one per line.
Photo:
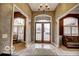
column 71, row 26
column 42, row 18
column 67, row 31
column 18, row 29
column 18, row 21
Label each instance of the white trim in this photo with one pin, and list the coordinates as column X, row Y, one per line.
column 12, row 29
column 42, row 15
column 19, row 10
column 74, row 13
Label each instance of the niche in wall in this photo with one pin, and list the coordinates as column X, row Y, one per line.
column 69, row 30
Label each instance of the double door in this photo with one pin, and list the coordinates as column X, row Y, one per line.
column 43, row 32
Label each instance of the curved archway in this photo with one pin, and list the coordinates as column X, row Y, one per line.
column 18, row 32
column 43, row 26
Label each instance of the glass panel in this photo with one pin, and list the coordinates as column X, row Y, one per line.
column 67, row 31
column 15, row 33
column 18, row 30
column 70, row 21
column 15, row 30
column 21, row 33
column 43, row 20
column 74, row 31
column 38, row 31
column 47, row 32
column 19, row 21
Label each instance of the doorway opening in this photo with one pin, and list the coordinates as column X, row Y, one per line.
column 18, row 34
column 18, row 31
column 43, row 29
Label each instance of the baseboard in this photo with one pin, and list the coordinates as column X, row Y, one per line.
column 53, row 44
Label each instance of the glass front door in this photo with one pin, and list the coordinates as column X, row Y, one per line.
column 43, row 32
column 39, row 32
column 46, row 32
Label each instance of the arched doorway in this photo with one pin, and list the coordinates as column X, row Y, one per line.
column 19, row 33
column 18, row 29
column 43, row 28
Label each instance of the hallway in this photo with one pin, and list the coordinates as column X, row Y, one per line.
column 39, row 29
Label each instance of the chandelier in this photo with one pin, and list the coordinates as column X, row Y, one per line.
column 44, row 8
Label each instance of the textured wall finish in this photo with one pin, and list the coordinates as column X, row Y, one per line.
column 63, row 8
column 5, row 26
column 25, row 8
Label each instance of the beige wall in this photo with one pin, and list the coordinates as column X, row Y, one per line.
column 25, row 8
column 5, row 25
column 63, row 8
column 35, row 13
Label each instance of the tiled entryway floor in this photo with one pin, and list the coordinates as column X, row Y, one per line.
column 47, row 50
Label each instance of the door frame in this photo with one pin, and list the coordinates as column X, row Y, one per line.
column 42, row 40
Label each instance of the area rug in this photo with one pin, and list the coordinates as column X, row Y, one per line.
column 43, row 52
column 38, row 52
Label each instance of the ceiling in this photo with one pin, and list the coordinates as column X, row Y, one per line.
column 35, row 6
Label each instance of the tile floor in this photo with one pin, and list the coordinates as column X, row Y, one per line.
column 47, row 50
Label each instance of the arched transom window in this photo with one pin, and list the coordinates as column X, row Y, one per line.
column 42, row 18
column 19, row 21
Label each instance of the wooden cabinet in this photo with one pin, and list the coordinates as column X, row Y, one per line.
column 71, row 41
